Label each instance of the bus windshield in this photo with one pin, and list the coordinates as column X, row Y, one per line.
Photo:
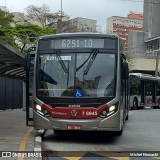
column 73, row 75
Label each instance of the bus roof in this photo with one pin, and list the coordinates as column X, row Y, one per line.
column 64, row 35
column 145, row 76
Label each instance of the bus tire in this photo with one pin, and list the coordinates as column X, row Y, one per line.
column 127, row 117
column 156, row 107
column 58, row 131
column 135, row 104
column 118, row 133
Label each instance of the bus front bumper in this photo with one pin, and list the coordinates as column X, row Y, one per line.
column 111, row 123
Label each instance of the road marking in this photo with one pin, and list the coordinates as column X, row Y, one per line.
column 75, row 156
column 23, row 142
column 68, row 155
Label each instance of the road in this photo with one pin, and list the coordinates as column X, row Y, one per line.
column 141, row 133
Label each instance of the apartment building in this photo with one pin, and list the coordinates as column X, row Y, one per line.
column 122, row 25
column 85, row 24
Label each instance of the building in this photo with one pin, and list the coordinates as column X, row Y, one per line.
column 145, row 45
column 151, row 21
column 85, row 24
column 136, row 16
column 122, row 25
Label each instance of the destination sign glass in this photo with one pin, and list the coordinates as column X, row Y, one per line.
column 77, row 43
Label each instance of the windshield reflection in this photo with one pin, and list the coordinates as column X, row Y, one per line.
column 85, row 75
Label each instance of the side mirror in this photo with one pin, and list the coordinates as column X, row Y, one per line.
column 125, row 71
column 123, row 56
column 28, row 58
column 27, row 62
column 31, row 49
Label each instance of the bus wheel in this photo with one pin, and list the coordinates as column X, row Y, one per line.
column 156, row 107
column 118, row 133
column 127, row 118
column 58, row 131
column 135, row 104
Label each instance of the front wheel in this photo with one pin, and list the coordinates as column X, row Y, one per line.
column 58, row 131
column 135, row 104
column 127, row 117
column 118, row 133
column 156, row 107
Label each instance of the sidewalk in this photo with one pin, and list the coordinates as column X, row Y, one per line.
column 14, row 134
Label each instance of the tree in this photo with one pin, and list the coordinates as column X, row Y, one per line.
column 38, row 15
column 43, row 16
column 19, row 36
column 6, row 18
column 62, row 22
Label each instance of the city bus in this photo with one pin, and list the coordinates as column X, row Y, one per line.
column 81, row 82
column 144, row 91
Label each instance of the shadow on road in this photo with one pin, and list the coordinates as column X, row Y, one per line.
column 81, row 136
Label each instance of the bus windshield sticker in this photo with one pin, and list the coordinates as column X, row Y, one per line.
column 55, row 58
column 78, row 93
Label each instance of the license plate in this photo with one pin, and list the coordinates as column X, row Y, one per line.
column 73, row 127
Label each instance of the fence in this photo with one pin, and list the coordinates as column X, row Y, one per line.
column 11, row 93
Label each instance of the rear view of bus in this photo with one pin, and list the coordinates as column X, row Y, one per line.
column 80, row 83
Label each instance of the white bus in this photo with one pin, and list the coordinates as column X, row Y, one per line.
column 144, row 91
column 80, row 83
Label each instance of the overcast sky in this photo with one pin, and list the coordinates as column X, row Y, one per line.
column 99, row 10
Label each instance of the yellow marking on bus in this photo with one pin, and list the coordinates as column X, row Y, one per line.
column 120, row 158
column 56, row 89
column 23, row 142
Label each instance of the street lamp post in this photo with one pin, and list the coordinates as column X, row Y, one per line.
column 61, row 10
column 59, row 21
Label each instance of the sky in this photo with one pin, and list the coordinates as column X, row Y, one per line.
column 98, row 10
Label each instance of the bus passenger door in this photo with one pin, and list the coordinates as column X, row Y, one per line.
column 125, row 87
column 29, row 84
column 142, row 92
column 154, row 90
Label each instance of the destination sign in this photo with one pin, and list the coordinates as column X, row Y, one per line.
column 77, row 43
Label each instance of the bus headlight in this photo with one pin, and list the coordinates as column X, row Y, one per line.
column 41, row 110
column 112, row 108
column 109, row 111
column 38, row 107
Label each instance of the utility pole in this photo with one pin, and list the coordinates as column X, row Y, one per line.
column 61, row 10
column 59, row 21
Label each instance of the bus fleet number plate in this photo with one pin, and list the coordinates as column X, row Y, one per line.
column 73, row 127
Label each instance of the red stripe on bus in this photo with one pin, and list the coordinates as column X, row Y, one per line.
column 73, row 112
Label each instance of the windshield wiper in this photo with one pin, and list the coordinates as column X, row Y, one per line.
column 46, row 78
column 61, row 61
column 78, row 68
column 91, row 61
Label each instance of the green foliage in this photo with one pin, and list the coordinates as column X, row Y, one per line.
column 18, row 36
column 5, row 18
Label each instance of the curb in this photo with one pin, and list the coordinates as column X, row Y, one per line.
column 38, row 142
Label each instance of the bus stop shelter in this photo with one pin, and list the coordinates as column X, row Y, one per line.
column 11, row 62
column 12, row 77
